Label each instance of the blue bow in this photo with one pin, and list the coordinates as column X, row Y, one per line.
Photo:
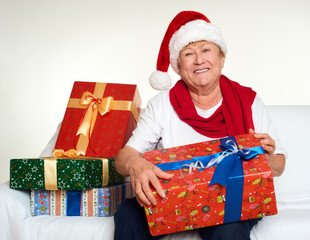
column 229, row 160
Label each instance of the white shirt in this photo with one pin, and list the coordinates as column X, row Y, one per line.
column 160, row 127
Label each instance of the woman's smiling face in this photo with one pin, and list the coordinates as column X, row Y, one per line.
column 201, row 64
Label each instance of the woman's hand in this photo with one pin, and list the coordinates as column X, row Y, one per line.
column 276, row 161
column 268, row 144
column 142, row 173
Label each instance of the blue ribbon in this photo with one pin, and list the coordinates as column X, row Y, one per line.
column 228, row 172
column 74, row 202
column 185, row 163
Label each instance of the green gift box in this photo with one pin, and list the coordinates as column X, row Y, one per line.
column 63, row 173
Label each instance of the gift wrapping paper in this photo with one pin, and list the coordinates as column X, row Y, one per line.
column 96, row 202
column 99, row 118
column 191, row 202
column 62, row 174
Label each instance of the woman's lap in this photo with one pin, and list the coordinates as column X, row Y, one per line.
column 130, row 223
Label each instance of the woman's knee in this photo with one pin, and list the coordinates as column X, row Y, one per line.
column 130, row 221
column 232, row 231
column 128, row 208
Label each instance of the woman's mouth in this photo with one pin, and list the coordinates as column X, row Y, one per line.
column 202, row 70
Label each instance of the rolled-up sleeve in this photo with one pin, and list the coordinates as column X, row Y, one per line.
column 264, row 124
column 148, row 132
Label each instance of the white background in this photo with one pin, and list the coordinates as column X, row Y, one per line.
column 47, row 45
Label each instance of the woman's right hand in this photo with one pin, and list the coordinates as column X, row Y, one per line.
column 142, row 173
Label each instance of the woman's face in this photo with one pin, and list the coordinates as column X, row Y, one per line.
column 200, row 65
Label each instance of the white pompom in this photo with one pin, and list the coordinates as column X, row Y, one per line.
column 160, row 80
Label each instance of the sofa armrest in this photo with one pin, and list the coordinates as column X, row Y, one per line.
column 14, row 208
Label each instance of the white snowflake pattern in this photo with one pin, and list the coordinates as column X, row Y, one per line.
column 28, row 176
column 35, row 169
column 83, row 168
column 61, row 185
column 92, row 166
column 13, row 183
column 40, row 183
column 71, row 161
column 25, row 161
column 76, row 176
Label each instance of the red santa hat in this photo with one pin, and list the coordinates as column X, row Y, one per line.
column 186, row 27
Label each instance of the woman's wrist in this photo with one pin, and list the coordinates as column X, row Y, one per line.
column 277, row 164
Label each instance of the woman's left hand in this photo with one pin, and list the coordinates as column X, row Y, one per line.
column 276, row 161
column 268, row 144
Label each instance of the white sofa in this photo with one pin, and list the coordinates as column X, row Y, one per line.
column 292, row 191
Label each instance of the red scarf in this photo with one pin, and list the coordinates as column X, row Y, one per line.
column 232, row 118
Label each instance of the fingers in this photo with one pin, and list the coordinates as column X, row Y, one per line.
column 268, row 149
column 142, row 189
column 251, row 131
column 141, row 185
column 268, row 144
column 145, row 194
column 265, row 139
column 142, row 174
column 139, row 201
column 156, row 184
column 161, row 174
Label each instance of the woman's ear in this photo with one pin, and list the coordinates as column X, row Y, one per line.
column 223, row 60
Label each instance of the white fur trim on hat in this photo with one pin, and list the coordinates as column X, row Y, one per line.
column 160, row 80
column 194, row 31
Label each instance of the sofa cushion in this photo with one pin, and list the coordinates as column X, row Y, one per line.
column 294, row 133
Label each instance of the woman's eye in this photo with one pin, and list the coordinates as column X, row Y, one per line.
column 206, row 50
column 188, row 54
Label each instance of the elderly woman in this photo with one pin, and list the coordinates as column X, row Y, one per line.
column 202, row 106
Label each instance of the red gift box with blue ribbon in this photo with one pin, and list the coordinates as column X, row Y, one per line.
column 215, row 182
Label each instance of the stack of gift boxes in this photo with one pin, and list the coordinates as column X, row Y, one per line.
column 80, row 178
column 215, row 182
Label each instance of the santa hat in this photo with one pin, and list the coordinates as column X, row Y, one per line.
column 186, row 27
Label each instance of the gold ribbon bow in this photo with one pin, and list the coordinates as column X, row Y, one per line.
column 71, row 153
column 94, row 105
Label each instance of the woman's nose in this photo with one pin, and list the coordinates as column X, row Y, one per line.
column 199, row 58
